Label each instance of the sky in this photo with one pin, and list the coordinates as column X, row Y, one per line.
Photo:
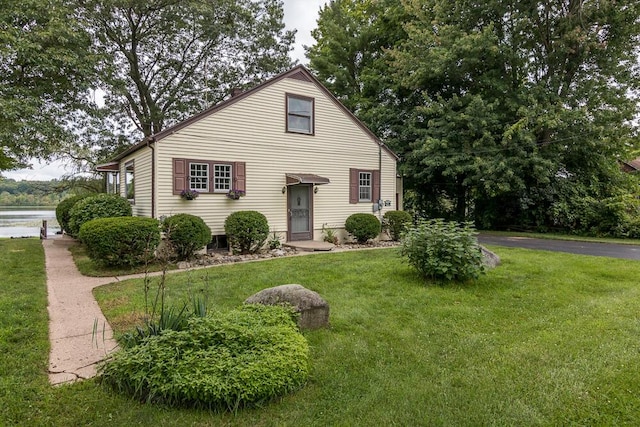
column 298, row 14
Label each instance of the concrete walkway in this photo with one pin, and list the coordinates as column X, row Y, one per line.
column 79, row 333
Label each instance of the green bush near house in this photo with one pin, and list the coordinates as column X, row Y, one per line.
column 99, row 206
column 443, row 250
column 223, row 361
column 396, row 222
column 187, row 234
column 120, row 241
column 246, row 231
column 63, row 211
column 363, row 226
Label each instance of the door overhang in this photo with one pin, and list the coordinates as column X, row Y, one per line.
column 306, row 178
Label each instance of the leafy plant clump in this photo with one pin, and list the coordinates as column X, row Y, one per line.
column 187, row 234
column 443, row 250
column 63, row 211
column 396, row 222
column 120, row 241
column 221, row 361
column 246, row 231
column 363, row 226
column 99, row 206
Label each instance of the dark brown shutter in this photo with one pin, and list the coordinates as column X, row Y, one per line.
column 179, row 175
column 240, row 176
column 376, row 185
column 353, row 185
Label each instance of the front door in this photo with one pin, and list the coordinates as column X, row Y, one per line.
column 300, row 207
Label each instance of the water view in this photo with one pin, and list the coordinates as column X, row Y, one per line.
column 18, row 221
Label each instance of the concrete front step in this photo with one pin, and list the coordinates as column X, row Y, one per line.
column 310, row 245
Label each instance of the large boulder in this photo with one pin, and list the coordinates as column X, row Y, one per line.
column 313, row 309
column 489, row 259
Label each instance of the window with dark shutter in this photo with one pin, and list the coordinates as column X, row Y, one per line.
column 208, row 176
column 364, row 186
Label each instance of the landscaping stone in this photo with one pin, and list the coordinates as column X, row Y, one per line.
column 490, row 259
column 313, row 309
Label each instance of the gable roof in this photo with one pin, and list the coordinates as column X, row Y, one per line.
column 299, row 72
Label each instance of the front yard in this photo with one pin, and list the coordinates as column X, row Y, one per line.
column 545, row 339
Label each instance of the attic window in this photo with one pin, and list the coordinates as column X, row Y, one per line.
column 300, row 111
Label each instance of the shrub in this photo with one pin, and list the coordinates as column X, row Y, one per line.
column 120, row 241
column 63, row 211
column 99, row 206
column 363, row 226
column 246, row 231
column 187, row 234
column 396, row 222
column 443, row 250
column 221, row 361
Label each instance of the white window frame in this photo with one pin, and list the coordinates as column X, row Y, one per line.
column 300, row 114
column 197, row 180
column 365, row 182
column 222, row 183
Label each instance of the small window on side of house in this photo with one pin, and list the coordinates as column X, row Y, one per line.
column 222, row 178
column 199, row 176
column 300, row 112
column 364, row 186
column 129, row 182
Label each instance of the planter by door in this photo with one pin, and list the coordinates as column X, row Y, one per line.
column 300, row 209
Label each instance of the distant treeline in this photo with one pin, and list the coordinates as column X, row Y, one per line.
column 31, row 193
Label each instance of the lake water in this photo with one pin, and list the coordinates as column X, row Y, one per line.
column 26, row 222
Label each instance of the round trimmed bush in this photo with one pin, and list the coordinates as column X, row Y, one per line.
column 63, row 211
column 363, row 226
column 221, row 361
column 246, row 231
column 120, row 241
column 99, row 206
column 187, row 234
column 396, row 222
column 443, row 250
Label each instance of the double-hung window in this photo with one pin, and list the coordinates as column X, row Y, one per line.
column 222, row 177
column 300, row 114
column 199, row 176
column 364, row 186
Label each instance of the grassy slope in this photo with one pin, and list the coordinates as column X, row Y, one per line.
column 545, row 339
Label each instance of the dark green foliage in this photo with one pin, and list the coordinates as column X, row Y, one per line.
column 187, row 234
column 120, row 241
column 497, row 111
column 222, row 361
column 63, row 211
column 246, row 231
column 443, row 250
column 363, row 226
column 98, row 206
column 395, row 222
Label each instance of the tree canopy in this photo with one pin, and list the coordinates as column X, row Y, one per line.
column 512, row 112
column 156, row 63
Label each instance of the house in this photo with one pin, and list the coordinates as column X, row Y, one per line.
column 298, row 155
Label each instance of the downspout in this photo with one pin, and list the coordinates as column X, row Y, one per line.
column 151, row 144
column 380, row 183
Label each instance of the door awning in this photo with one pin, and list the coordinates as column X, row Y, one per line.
column 306, row 178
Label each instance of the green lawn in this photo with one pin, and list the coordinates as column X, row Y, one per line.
column 545, row 339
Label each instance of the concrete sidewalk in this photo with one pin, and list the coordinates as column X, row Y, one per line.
column 79, row 333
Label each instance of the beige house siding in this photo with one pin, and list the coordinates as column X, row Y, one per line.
column 142, row 181
column 253, row 130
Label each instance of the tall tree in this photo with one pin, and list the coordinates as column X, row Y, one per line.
column 45, row 73
column 504, row 105
column 167, row 59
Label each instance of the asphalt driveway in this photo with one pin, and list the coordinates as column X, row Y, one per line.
column 611, row 250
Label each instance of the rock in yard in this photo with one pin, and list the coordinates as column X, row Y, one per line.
column 490, row 259
column 313, row 309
